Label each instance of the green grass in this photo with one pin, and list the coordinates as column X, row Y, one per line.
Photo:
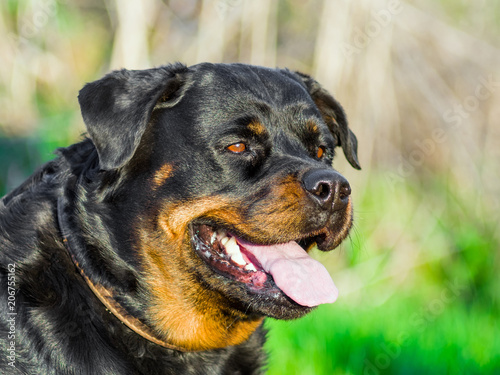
column 401, row 336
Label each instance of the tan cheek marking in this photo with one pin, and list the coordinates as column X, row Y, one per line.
column 196, row 322
column 281, row 211
column 176, row 217
column 162, row 174
column 182, row 311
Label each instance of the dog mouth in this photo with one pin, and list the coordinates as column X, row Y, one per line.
column 266, row 268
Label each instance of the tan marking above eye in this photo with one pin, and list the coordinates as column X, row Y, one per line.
column 257, row 128
column 312, row 127
column 237, row 148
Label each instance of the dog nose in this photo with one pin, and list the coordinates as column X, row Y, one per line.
column 328, row 188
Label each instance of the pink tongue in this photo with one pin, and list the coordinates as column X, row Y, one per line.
column 300, row 277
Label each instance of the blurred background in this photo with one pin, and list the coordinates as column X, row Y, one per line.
column 420, row 81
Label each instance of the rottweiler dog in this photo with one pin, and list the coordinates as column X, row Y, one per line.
column 158, row 244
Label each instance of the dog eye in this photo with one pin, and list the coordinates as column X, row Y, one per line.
column 237, row 148
column 320, row 152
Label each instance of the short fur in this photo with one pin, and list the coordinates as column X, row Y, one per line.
column 118, row 209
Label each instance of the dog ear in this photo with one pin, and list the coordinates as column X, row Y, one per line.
column 117, row 108
column 334, row 116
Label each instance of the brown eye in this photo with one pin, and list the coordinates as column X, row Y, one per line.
column 320, row 152
column 237, row 148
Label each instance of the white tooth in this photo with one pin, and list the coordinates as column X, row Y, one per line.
column 231, row 246
column 221, row 234
column 250, row 267
column 214, row 237
column 238, row 259
column 224, row 241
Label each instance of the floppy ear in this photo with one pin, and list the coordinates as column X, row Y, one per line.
column 117, row 108
column 334, row 116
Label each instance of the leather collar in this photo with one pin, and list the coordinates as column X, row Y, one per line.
column 107, row 297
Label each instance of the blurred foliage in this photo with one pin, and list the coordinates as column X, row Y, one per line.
column 420, row 83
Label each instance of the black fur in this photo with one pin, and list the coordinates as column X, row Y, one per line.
column 96, row 192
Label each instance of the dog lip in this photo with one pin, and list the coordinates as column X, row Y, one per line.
column 219, row 258
column 284, row 269
column 258, row 284
column 306, row 240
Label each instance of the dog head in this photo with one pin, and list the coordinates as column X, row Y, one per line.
column 212, row 184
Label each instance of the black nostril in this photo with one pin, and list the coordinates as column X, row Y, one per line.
column 344, row 191
column 328, row 188
column 322, row 190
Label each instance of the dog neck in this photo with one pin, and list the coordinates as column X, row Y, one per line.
column 107, row 298
column 183, row 327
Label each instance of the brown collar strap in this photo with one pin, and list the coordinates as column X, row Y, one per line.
column 106, row 296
